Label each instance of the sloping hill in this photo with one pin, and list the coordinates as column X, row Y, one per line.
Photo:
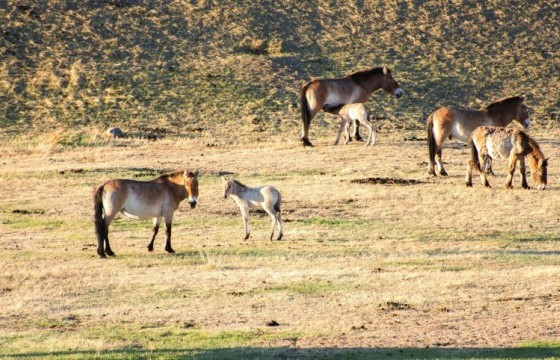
column 193, row 65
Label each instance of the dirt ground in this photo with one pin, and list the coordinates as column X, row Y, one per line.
column 376, row 253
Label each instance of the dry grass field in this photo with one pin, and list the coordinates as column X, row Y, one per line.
column 378, row 259
column 409, row 266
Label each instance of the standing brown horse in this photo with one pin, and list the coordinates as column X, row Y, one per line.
column 490, row 142
column 327, row 94
column 142, row 200
column 449, row 122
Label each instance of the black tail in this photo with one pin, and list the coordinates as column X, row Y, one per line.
column 474, row 155
column 100, row 227
column 431, row 142
column 277, row 205
column 305, row 113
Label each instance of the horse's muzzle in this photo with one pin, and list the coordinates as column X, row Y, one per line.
column 399, row 92
column 192, row 204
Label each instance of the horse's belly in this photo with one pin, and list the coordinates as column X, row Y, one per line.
column 499, row 150
column 461, row 133
column 135, row 208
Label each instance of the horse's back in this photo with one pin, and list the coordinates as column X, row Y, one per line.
column 137, row 199
column 498, row 141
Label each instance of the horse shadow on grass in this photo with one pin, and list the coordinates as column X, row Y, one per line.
column 286, row 352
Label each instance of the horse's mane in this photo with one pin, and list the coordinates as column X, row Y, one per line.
column 239, row 183
column 537, row 152
column 502, row 103
column 168, row 176
column 360, row 75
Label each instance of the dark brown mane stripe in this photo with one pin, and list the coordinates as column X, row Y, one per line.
column 359, row 75
column 504, row 103
column 169, row 175
column 239, row 184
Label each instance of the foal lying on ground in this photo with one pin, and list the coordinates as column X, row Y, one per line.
column 142, row 200
column 490, row 142
column 245, row 197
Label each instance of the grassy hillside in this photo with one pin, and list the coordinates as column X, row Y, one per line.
column 184, row 66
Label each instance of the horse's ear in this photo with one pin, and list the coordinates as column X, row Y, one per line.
column 386, row 70
column 196, row 173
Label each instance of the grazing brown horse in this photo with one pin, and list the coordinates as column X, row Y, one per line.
column 142, row 200
column 490, row 142
column 327, row 94
column 457, row 123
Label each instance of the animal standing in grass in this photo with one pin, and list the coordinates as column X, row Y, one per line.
column 349, row 113
column 142, row 200
column 245, row 197
column 490, row 142
column 449, row 122
column 328, row 94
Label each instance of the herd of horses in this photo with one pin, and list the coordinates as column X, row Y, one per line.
column 485, row 130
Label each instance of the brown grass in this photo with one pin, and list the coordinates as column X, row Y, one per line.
column 432, row 264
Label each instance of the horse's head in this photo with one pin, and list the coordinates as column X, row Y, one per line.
column 522, row 116
column 191, row 185
column 390, row 85
column 540, row 174
column 228, row 184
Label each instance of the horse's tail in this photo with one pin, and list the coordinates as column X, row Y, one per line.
column 277, row 204
column 474, row 155
column 431, row 141
column 305, row 112
column 99, row 222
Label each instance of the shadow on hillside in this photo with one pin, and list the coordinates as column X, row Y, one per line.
column 311, row 353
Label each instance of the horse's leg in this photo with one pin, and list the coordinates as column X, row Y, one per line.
column 279, row 220
column 245, row 215
column 483, row 158
column 313, row 110
column 347, row 132
column 371, row 135
column 523, row 171
column 511, row 170
column 357, row 136
column 468, row 176
column 439, row 136
column 168, row 237
column 154, row 233
column 273, row 215
column 108, row 220
column 340, row 129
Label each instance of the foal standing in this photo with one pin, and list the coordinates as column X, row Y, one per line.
column 349, row 113
column 245, row 197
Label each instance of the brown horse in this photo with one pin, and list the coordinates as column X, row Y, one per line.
column 489, row 142
column 457, row 123
column 327, row 94
column 142, row 200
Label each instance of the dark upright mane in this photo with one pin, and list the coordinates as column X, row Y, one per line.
column 239, row 184
column 359, row 76
column 504, row 103
column 166, row 177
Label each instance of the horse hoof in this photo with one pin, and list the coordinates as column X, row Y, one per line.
column 306, row 142
column 469, row 184
column 150, row 248
column 280, row 237
column 443, row 173
column 246, row 237
column 102, row 256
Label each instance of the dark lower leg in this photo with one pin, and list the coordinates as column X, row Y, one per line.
column 168, row 239
column 154, row 233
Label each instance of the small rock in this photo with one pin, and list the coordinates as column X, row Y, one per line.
column 115, row 132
